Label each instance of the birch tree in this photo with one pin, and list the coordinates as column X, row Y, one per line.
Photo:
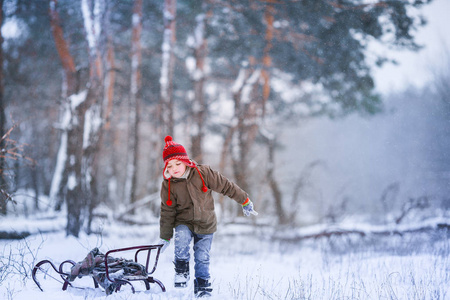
column 68, row 170
column 93, row 12
column 269, row 137
column 267, row 59
column 75, row 195
column 70, row 87
column 245, row 111
column 198, row 43
column 167, row 68
column 110, row 79
column 81, row 120
column 135, row 103
column 2, row 121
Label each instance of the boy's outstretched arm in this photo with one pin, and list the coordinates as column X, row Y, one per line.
column 223, row 185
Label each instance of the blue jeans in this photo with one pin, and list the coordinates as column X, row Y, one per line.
column 202, row 246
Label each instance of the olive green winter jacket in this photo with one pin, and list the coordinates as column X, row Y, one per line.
column 190, row 205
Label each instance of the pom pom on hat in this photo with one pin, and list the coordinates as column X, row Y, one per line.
column 168, row 139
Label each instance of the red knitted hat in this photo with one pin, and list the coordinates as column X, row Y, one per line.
column 173, row 150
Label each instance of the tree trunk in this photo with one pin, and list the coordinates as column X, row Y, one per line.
column 91, row 146
column 109, row 90
column 250, row 110
column 276, row 193
column 81, row 123
column 270, row 140
column 199, row 108
column 3, row 183
column 67, row 61
column 75, row 195
column 168, row 64
column 92, row 131
column 246, row 129
column 35, row 186
column 223, row 158
column 110, row 80
column 59, row 179
column 83, row 120
column 267, row 60
column 70, row 87
column 134, row 106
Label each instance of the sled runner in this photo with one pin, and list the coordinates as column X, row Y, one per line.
column 109, row 272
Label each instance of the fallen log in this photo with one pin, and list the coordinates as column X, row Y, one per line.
column 13, row 235
column 427, row 226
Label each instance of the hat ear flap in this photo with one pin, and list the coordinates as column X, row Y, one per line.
column 166, row 174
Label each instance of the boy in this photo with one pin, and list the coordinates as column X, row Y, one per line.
column 187, row 206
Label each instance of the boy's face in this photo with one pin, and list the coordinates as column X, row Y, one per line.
column 176, row 168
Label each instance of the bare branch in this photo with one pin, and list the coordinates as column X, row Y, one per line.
column 417, row 203
column 12, row 149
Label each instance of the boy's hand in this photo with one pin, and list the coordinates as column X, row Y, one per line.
column 165, row 244
column 247, row 208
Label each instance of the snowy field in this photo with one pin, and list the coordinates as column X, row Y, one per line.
column 247, row 264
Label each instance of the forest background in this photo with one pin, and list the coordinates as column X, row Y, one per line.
column 90, row 88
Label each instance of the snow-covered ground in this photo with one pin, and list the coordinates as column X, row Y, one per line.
column 247, row 262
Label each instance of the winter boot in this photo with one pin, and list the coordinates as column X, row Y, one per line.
column 181, row 273
column 202, row 288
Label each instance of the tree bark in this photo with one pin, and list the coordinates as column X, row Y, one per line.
column 93, row 114
column 62, row 47
column 134, row 106
column 70, row 87
column 276, row 193
column 167, row 69
column 3, row 183
column 246, row 128
column 223, row 159
column 83, row 119
column 107, row 133
column 270, row 140
column 199, row 109
column 109, row 84
column 75, row 195
column 240, row 162
column 250, row 110
column 35, row 185
column 267, row 60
